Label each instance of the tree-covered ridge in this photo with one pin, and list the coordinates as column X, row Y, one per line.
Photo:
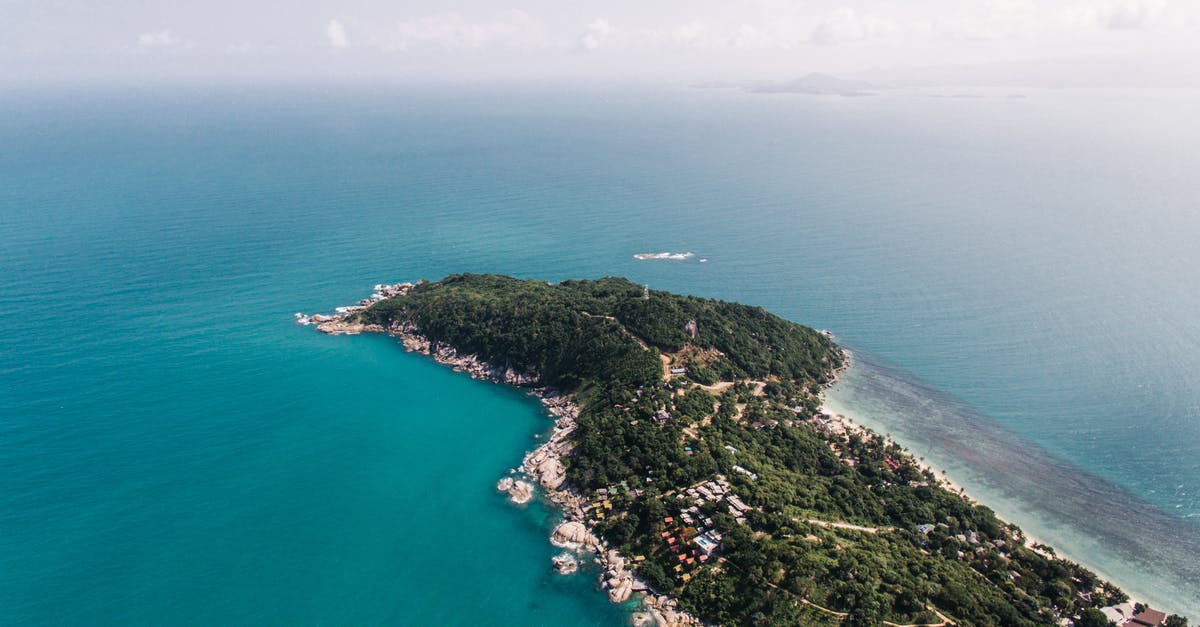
column 576, row 332
column 818, row 523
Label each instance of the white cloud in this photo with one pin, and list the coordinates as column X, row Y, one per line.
column 242, row 48
column 844, row 24
column 1132, row 15
column 1179, row 17
column 717, row 37
column 513, row 29
column 691, row 34
column 335, row 33
column 748, row 37
column 594, row 35
column 159, row 39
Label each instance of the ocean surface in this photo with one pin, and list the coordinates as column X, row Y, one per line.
column 1016, row 271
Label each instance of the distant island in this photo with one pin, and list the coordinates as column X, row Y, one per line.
column 815, row 84
column 692, row 457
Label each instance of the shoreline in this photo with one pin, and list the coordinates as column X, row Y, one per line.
column 943, row 478
column 849, row 424
column 846, row 415
column 575, row 532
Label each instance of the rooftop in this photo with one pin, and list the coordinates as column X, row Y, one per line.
column 1148, row 617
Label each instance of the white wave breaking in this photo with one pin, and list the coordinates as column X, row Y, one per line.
column 676, row 256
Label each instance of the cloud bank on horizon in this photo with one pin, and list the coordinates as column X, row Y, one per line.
column 697, row 39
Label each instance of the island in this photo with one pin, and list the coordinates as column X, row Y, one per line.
column 692, row 458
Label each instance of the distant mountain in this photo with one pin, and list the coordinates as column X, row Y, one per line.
column 1115, row 72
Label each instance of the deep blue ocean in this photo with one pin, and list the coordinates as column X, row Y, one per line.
column 1017, row 273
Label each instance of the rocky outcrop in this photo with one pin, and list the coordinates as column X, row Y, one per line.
column 340, row 326
column 413, row 341
column 521, row 492
column 615, row 562
column 620, row 589
column 619, row 581
column 573, row 534
column 518, row 491
column 565, row 563
column 545, row 465
column 340, row 323
column 663, row 611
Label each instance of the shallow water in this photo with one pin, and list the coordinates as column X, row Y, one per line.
column 1082, row 516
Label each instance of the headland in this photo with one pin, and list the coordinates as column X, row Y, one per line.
column 691, row 457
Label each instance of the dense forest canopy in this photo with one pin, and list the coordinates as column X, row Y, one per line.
column 577, row 332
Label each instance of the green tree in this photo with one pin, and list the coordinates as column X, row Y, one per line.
column 1092, row 617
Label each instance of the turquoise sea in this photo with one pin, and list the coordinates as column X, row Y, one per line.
column 1016, row 272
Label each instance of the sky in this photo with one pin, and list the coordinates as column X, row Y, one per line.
column 1072, row 41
